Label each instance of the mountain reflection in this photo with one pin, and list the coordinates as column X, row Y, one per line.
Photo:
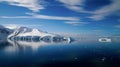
column 14, row 45
column 35, row 44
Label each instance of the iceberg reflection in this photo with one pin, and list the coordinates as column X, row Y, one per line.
column 35, row 43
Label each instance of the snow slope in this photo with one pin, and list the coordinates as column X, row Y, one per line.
column 24, row 31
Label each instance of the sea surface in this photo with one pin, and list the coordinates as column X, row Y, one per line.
column 83, row 53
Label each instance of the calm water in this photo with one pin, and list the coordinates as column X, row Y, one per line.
column 75, row 54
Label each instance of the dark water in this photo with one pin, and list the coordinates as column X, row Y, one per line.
column 40, row 54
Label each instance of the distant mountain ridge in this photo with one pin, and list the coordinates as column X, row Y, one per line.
column 4, row 32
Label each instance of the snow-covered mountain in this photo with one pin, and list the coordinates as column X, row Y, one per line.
column 4, row 32
column 28, row 34
column 24, row 31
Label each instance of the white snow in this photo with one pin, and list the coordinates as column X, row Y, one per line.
column 24, row 31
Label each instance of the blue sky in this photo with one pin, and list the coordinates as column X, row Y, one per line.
column 63, row 16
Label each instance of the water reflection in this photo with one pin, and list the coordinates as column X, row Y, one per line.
column 83, row 52
column 15, row 45
column 35, row 43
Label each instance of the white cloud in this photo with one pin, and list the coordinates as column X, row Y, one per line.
column 106, row 10
column 10, row 26
column 20, row 17
column 34, row 5
column 117, row 26
column 13, row 26
column 99, row 14
column 75, row 5
column 39, row 16
column 72, row 2
column 75, row 23
column 53, row 17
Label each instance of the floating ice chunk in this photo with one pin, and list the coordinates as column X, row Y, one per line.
column 104, row 40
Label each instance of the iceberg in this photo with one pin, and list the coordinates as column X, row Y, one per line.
column 104, row 40
column 29, row 34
